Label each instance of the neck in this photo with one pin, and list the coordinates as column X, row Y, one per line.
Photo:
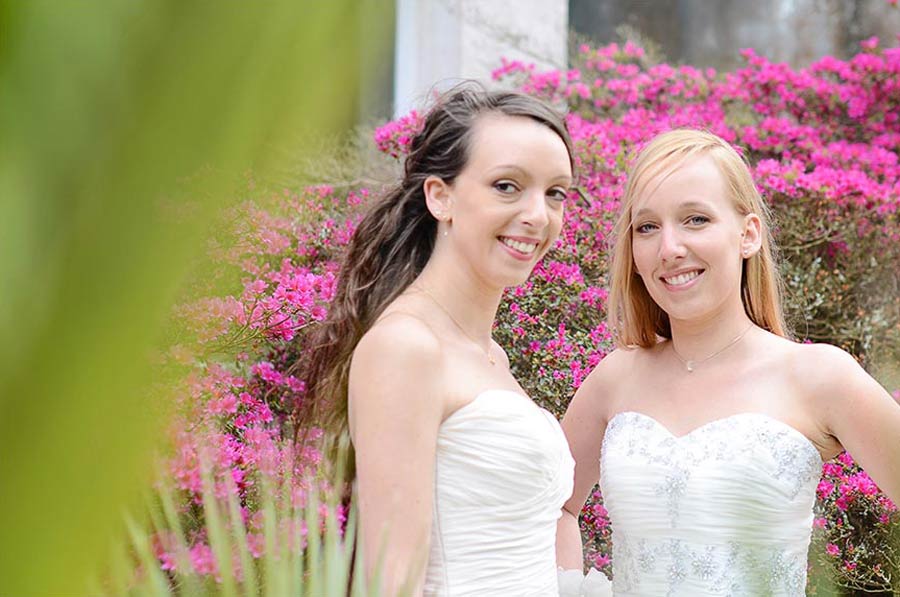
column 472, row 305
column 697, row 340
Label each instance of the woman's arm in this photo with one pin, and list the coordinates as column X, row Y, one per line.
column 583, row 424
column 396, row 408
column 858, row 412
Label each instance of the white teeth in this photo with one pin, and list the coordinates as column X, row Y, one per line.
column 681, row 278
column 526, row 248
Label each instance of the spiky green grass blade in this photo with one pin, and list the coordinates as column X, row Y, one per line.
column 249, row 586
column 186, row 582
column 275, row 582
column 121, row 570
column 219, row 540
column 314, row 581
column 157, row 584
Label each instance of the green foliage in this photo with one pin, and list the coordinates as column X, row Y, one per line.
column 841, row 277
column 305, row 551
column 104, row 107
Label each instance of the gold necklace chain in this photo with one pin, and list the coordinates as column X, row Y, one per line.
column 487, row 351
column 690, row 364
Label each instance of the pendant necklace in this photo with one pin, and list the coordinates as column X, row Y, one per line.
column 487, row 351
column 690, row 364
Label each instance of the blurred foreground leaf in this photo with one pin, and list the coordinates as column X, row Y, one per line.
column 106, row 108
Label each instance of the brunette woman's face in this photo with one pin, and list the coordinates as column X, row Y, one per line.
column 688, row 241
column 507, row 203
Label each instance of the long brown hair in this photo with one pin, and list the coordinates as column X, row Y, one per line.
column 394, row 241
column 633, row 315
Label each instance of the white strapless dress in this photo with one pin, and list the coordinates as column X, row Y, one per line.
column 503, row 470
column 723, row 510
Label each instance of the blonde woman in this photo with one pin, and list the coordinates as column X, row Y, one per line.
column 708, row 426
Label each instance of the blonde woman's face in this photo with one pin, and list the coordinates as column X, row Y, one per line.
column 687, row 241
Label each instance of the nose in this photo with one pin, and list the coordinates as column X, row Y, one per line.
column 535, row 210
column 670, row 244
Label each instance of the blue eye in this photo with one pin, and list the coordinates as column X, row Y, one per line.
column 645, row 228
column 698, row 220
column 506, row 187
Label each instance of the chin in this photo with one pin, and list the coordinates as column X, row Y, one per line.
column 512, row 282
column 509, row 279
column 689, row 312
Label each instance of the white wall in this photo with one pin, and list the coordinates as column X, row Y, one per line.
column 440, row 42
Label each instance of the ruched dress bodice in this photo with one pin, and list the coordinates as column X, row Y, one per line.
column 503, row 470
column 724, row 510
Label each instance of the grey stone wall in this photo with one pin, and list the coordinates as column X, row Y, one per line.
column 711, row 32
column 439, row 42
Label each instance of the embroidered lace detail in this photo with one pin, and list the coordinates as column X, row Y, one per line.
column 734, row 569
column 723, row 510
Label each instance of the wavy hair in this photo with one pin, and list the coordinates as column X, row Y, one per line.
column 394, row 241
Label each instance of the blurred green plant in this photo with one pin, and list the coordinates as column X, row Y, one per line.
column 305, row 549
column 106, row 111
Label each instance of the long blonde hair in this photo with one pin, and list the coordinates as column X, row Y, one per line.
column 634, row 316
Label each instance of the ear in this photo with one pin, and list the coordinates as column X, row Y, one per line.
column 751, row 236
column 438, row 198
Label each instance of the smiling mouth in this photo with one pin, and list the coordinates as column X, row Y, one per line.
column 526, row 248
column 682, row 278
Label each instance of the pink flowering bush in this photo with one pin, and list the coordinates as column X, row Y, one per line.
column 856, row 526
column 233, row 435
column 824, row 143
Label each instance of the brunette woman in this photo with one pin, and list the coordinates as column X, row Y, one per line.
column 460, row 476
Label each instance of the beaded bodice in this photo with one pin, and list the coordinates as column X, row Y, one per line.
column 723, row 510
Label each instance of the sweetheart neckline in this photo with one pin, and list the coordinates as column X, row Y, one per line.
column 808, row 442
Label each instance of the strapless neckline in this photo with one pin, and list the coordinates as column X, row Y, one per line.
column 481, row 395
column 723, row 421
column 501, row 476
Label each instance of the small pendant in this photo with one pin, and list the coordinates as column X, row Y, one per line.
column 689, row 365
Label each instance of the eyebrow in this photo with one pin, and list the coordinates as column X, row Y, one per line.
column 508, row 167
column 686, row 205
column 563, row 178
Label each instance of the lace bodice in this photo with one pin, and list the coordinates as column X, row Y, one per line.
column 502, row 473
column 723, row 510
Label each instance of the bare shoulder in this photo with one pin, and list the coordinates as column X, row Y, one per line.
column 853, row 409
column 823, row 370
column 396, row 366
column 599, row 387
column 398, row 335
column 619, row 362
column 835, row 388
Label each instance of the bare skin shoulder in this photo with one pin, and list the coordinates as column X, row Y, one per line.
column 852, row 410
column 399, row 343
